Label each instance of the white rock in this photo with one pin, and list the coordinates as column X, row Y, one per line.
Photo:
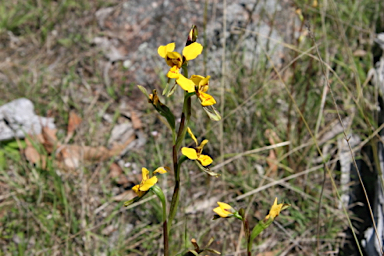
column 17, row 118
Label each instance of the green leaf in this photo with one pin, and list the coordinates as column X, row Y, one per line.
column 172, row 90
column 212, row 112
column 143, row 90
column 212, row 251
column 207, row 170
column 134, row 200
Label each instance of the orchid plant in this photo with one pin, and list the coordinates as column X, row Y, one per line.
column 195, row 85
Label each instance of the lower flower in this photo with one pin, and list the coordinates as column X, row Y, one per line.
column 147, row 182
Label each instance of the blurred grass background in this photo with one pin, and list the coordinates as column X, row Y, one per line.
column 45, row 43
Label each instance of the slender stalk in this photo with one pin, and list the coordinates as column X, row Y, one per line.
column 165, row 236
column 185, row 116
column 247, row 235
column 175, row 196
column 165, row 230
column 159, row 193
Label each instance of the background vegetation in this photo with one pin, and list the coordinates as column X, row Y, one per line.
column 48, row 55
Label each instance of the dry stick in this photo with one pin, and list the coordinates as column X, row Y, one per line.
column 222, row 98
column 318, row 212
column 323, row 97
column 316, row 144
column 292, row 91
column 349, row 145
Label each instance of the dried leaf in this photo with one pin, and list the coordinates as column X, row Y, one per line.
column 73, row 122
column 271, row 160
column 359, row 53
column 70, row 155
column 136, row 122
column 50, row 139
column 270, row 253
column 115, row 171
column 33, row 156
column 95, row 153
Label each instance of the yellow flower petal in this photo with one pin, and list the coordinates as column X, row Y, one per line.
column 221, row 212
column 206, row 99
column 192, row 136
column 202, row 144
column 174, row 72
column 224, row 210
column 174, row 59
column 191, row 51
column 146, row 185
column 200, row 148
column 204, row 85
column 275, row 210
column 185, row 83
column 137, row 191
column 189, row 152
column 205, row 160
column 136, row 188
column 196, row 79
column 225, row 206
column 164, row 49
column 144, row 173
column 160, row 170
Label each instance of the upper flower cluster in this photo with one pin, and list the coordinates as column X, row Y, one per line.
column 197, row 84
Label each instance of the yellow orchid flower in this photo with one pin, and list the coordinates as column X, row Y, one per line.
column 201, row 87
column 185, row 83
column 275, row 210
column 191, row 51
column 175, row 61
column 147, row 182
column 224, row 210
column 172, row 58
column 195, row 153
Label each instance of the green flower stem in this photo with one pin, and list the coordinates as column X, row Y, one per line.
column 185, row 116
column 159, row 193
column 175, row 197
column 263, row 224
column 241, row 216
column 173, row 137
column 165, row 236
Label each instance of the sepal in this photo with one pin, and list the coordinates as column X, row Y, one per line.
column 192, row 36
column 212, row 113
column 162, row 109
column 132, row 201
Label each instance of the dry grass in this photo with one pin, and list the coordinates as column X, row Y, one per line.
column 48, row 56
